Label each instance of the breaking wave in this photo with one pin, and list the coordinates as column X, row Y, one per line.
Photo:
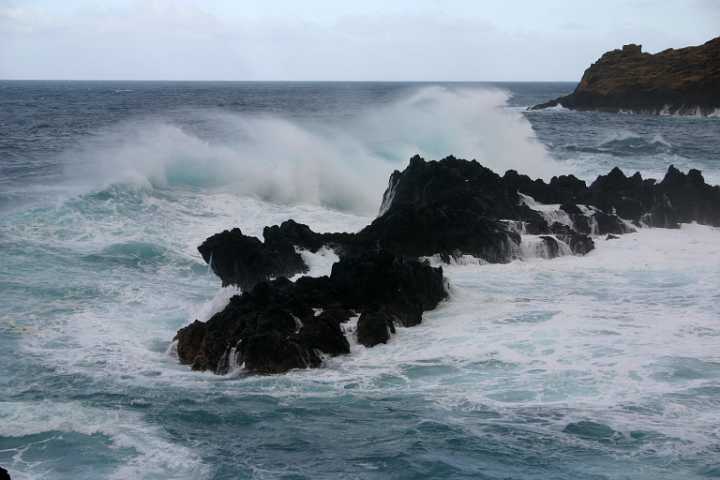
column 341, row 165
column 624, row 143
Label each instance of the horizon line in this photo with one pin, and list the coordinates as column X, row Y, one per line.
column 275, row 81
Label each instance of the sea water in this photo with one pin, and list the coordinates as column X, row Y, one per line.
column 605, row 366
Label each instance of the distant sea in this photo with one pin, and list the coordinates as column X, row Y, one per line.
column 598, row 367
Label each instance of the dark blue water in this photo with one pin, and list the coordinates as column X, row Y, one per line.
column 604, row 366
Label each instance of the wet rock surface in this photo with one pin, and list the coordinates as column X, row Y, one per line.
column 280, row 325
column 442, row 209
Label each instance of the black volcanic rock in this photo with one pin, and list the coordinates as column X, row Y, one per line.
column 562, row 189
column 684, row 81
column 300, row 235
column 686, row 198
column 452, row 207
column 447, row 208
column 403, row 287
column 625, row 195
column 443, row 208
column 244, row 261
column 281, row 325
column 579, row 243
column 678, row 198
column 4, row 475
column 456, row 207
column 374, row 328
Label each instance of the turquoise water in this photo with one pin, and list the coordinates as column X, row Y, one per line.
column 604, row 366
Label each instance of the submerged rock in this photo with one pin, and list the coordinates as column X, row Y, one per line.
column 591, row 430
column 682, row 81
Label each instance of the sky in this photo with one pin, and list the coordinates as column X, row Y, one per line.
column 424, row 40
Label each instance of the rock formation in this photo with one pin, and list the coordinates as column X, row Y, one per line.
column 279, row 325
column 682, row 81
column 444, row 208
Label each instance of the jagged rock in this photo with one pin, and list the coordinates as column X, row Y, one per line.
column 678, row 198
column 374, row 328
column 191, row 345
column 689, row 198
column 274, row 327
column 684, row 81
column 579, row 243
column 551, row 246
column 624, row 195
column 404, row 287
column 244, row 261
column 454, row 207
column 443, row 208
column 4, row 475
column 292, row 233
column 325, row 334
column 275, row 352
column 448, row 208
column 607, row 223
column 561, row 189
column 300, row 235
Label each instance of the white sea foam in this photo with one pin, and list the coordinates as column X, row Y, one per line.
column 550, row 212
column 437, row 261
column 155, row 457
column 534, row 246
column 605, row 337
column 583, row 336
column 320, row 263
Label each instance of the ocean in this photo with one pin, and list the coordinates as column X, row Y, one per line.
column 605, row 366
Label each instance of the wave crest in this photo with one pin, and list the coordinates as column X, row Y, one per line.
column 341, row 164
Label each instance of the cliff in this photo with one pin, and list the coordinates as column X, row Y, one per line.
column 674, row 81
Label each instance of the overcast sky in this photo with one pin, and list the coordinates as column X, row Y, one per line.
column 336, row 40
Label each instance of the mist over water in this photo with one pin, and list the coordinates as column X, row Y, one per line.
column 603, row 366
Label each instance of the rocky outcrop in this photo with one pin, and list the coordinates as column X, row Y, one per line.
column 682, row 81
column 444, row 208
column 245, row 261
column 4, row 475
column 678, row 198
column 279, row 325
column 448, row 208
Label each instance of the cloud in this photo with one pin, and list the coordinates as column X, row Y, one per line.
column 190, row 39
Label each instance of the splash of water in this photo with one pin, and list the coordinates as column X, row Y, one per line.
column 340, row 164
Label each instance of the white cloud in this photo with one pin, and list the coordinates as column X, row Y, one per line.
column 423, row 40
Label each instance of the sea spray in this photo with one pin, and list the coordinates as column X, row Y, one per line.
column 341, row 164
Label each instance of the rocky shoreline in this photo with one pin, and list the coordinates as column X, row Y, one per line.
column 448, row 208
column 683, row 81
